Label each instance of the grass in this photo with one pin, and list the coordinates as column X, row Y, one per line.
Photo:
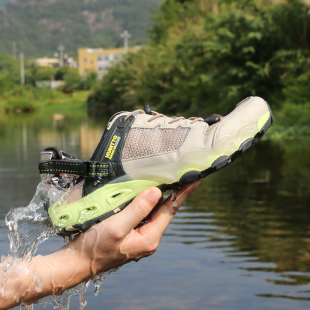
column 43, row 100
column 67, row 104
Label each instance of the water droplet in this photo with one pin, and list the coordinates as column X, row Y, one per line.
column 96, row 292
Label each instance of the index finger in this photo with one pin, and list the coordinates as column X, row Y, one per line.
column 168, row 209
column 137, row 210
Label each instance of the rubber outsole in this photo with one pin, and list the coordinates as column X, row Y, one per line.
column 188, row 177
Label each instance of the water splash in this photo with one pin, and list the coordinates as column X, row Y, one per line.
column 29, row 227
column 98, row 279
column 63, row 301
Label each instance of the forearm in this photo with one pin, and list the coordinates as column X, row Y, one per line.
column 61, row 270
column 46, row 275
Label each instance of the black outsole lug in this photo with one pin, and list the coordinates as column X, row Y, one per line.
column 190, row 177
column 187, row 178
column 221, row 162
column 256, row 139
column 245, row 145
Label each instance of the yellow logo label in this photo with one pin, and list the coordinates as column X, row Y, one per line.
column 112, row 147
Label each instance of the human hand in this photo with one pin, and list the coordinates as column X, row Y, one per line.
column 107, row 245
column 115, row 241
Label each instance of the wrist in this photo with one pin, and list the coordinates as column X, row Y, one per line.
column 61, row 270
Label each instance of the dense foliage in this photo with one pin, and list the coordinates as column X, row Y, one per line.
column 205, row 56
column 9, row 72
column 38, row 27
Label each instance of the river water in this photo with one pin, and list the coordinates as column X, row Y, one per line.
column 242, row 241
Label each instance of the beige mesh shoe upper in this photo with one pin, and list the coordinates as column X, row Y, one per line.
column 143, row 142
column 163, row 149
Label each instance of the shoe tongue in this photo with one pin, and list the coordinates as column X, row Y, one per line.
column 98, row 152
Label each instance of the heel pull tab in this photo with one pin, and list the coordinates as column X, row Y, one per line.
column 55, row 153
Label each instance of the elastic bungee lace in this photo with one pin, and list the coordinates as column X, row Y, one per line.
column 156, row 115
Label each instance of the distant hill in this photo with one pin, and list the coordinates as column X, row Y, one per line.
column 39, row 26
column 3, row 3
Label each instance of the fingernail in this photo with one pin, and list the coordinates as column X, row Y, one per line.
column 153, row 195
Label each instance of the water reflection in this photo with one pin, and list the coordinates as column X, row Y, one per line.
column 257, row 222
column 22, row 137
column 253, row 214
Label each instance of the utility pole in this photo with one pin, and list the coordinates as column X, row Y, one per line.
column 61, row 49
column 126, row 35
column 14, row 49
column 22, row 69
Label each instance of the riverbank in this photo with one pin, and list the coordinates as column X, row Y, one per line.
column 68, row 104
column 288, row 122
column 44, row 100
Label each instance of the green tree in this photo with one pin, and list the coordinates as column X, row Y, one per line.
column 9, row 72
column 204, row 56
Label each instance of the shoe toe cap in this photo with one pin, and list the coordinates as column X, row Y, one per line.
column 244, row 121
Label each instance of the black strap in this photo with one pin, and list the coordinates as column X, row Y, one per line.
column 91, row 169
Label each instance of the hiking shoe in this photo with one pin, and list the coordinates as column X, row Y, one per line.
column 145, row 148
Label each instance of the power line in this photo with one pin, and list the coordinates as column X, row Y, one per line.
column 22, row 68
column 14, row 49
column 125, row 35
column 61, row 49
